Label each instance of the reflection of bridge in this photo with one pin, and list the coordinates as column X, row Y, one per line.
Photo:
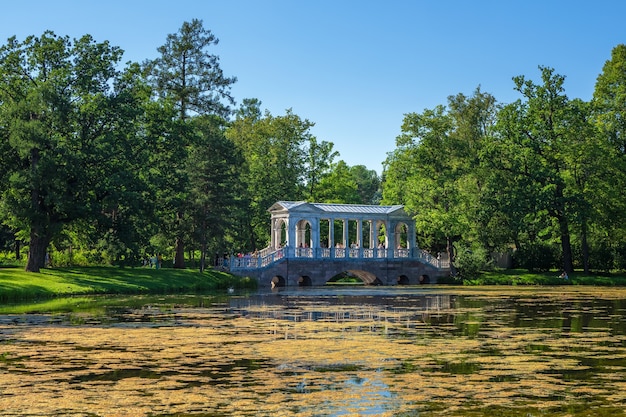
column 316, row 256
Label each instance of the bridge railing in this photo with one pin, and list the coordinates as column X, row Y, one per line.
column 268, row 256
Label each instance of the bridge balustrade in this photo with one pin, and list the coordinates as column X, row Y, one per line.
column 269, row 256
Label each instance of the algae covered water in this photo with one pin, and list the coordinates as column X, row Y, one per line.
column 381, row 351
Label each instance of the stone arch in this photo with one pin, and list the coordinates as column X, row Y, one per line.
column 403, row 280
column 305, row 281
column 401, row 233
column 281, row 233
column 304, row 234
column 278, row 281
column 380, row 230
column 367, row 277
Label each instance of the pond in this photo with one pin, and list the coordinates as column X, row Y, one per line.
column 378, row 351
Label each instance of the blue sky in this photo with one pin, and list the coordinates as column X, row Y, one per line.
column 354, row 68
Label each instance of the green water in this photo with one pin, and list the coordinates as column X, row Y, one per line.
column 438, row 352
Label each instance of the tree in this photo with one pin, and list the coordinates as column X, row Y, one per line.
column 339, row 186
column 189, row 76
column 319, row 163
column 609, row 99
column 421, row 173
column 539, row 137
column 368, row 184
column 214, row 184
column 61, row 103
column 607, row 107
column 349, row 185
column 274, row 149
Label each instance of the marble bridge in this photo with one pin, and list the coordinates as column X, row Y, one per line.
column 312, row 243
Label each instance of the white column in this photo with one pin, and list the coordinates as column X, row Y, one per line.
column 373, row 243
column 291, row 237
column 359, row 233
column 315, row 235
column 331, row 236
column 273, row 233
column 346, row 235
column 300, row 233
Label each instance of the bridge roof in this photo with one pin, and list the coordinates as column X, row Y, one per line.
column 337, row 208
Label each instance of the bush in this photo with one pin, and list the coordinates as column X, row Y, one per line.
column 536, row 257
column 620, row 257
column 600, row 257
column 470, row 263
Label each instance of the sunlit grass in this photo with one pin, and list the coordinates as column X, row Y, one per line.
column 524, row 277
column 16, row 284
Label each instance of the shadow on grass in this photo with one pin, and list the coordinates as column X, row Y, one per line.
column 17, row 284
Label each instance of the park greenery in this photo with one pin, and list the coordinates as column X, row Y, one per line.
column 105, row 163
column 18, row 285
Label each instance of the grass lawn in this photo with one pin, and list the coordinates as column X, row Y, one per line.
column 16, row 284
column 523, row 277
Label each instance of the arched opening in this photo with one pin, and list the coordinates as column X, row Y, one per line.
column 367, row 236
column 278, row 281
column 402, row 242
column 424, row 279
column 403, row 280
column 303, row 239
column 282, row 235
column 345, row 278
column 304, row 281
column 354, row 277
column 381, row 239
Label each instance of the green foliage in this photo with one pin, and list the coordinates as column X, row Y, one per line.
column 536, row 256
column 349, row 185
column 434, row 171
column 274, row 149
column 470, row 262
column 65, row 110
column 540, row 170
column 19, row 285
column 189, row 75
column 105, row 165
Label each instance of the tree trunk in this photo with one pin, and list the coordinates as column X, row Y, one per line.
column 203, row 243
column 203, row 256
column 37, row 250
column 38, row 238
column 450, row 251
column 179, row 257
column 566, row 245
column 585, row 248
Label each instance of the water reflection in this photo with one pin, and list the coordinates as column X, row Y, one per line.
column 468, row 313
column 318, row 351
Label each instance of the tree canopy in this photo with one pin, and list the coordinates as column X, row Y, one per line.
column 110, row 163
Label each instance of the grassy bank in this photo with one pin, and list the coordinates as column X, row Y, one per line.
column 523, row 277
column 15, row 284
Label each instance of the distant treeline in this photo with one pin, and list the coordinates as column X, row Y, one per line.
column 109, row 163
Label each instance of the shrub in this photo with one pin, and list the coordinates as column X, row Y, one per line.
column 470, row 262
column 536, row 257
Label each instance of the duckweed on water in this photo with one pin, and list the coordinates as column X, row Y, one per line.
column 548, row 354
